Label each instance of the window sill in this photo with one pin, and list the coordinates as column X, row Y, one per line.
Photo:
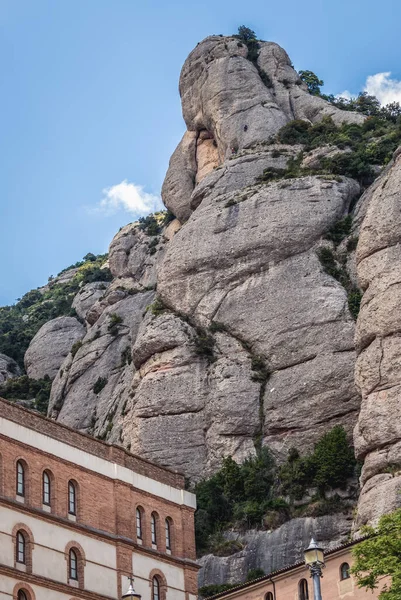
column 20, row 499
column 46, row 508
column 72, row 518
column 20, row 567
column 139, row 541
column 154, row 546
column 73, row 583
column 168, row 551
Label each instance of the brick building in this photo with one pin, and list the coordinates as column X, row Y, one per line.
column 77, row 516
column 294, row 583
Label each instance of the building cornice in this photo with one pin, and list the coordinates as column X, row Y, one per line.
column 98, row 534
column 67, row 435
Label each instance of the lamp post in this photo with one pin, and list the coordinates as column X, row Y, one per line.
column 131, row 593
column 314, row 560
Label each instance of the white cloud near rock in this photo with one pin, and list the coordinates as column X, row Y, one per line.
column 128, row 197
column 385, row 88
column 381, row 85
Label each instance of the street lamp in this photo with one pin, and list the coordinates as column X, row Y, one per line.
column 131, row 593
column 314, row 560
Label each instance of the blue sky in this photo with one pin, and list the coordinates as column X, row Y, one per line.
column 89, row 100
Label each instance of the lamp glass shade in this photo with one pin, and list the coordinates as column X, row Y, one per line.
column 313, row 554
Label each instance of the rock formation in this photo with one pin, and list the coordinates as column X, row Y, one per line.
column 51, row 345
column 222, row 330
column 8, row 368
column 238, row 281
column 378, row 340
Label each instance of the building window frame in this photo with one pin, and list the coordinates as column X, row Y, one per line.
column 154, row 518
column 162, row 584
column 46, row 488
column 72, row 498
column 75, row 558
column 23, row 547
column 269, row 596
column 168, row 526
column 303, row 590
column 20, row 484
column 344, row 571
column 139, row 523
column 20, row 548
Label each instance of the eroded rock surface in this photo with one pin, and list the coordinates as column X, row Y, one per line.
column 51, row 345
column 272, row 550
column 8, row 368
column 378, row 374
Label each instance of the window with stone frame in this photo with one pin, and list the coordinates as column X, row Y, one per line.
column 344, row 571
column 303, row 591
column 20, row 479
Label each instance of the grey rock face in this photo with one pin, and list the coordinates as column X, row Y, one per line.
column 87, row 296
column 377, row 435
column 8, row 368
column 104, row 354
column 223, row 96
column 51, row 345
column 273, row 550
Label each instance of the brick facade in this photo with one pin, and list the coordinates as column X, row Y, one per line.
column 102, row 533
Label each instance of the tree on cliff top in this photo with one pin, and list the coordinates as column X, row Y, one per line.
column 312, row 81
column 245, row 34
column 379, row 557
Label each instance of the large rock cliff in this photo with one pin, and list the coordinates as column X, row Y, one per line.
column 378, row 368
column 237, row 277
column 222, row 329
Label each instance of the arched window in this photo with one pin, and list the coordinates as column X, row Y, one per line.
column 46, row 489
column 22, row 595
column 72, row 498
column 155, row 589
column 269, row 596
column 344, row 571
column 168, row 533
column 153, row 528
column 73, row 565
column 303, row 592
column 139, row 523
column 20, row 479
column 20, row 548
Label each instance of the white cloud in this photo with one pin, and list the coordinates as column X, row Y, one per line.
column 385, row 89
column 382, row 86
column 129, row 197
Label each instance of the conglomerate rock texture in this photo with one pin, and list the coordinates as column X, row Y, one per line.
column 222, row 329
column 378, row 341
column 237, row 271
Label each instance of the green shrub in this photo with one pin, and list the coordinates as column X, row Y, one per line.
column 114, row 321
column 259, row 368
column 20, row 322
column 294, row 132
column 354, row 301
column 207, row 591
column 340, row 230
column 204, row 345
column 352, row 243
column 75, row 347
column 149, row 225
column 99, row 384
column 255, row 574
column 334, row 459
column 215, row 327
column 157, row 307
column 24, row 388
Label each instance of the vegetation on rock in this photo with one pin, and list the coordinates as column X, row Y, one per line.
column 369, row 144
column 379, row 556
column 24, row 388
column 21, row 321
column 258, row 494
